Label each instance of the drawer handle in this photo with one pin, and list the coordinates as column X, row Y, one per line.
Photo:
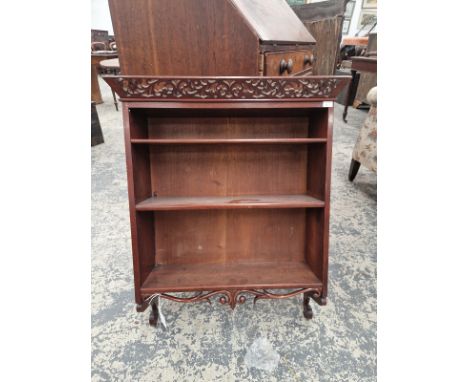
column 286, row 66
column 308, row 59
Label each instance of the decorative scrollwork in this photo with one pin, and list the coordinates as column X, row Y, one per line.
column 227, row 88
column 264, row 294
column 232, row 297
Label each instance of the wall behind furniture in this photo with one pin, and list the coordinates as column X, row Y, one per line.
column 100, row 16
column 354, row 27
column 354, row 19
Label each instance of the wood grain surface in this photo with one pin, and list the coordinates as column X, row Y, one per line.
column 167, row 203
column 242, row 275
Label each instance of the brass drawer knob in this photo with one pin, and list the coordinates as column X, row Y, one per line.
column 308, row 60
column 286, row 66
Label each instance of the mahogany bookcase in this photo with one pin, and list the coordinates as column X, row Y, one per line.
column 229, row 186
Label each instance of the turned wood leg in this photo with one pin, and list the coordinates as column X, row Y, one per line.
column 353, row 169
column 153, row 318
column 115, row 100
column 345, row 112
column 351, row 92
column 308, row 313
column 95, row 90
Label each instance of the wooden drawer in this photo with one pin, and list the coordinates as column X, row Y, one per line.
column 287, row 63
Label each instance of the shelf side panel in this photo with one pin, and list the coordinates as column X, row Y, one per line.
column 139, row 188
column 317, row 154
column 314, row 241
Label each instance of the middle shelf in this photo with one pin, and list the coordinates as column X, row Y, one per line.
column 192, row 141
column 167, row 203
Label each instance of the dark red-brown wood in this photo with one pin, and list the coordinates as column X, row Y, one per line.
column 324, row 20
column 257, row 275
column 204, row 37
column 227, row 88
column 96, row 58
column 359, row 64
column 229, row 196
column 177, row 203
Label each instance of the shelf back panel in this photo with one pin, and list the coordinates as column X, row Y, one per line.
column 228, row 170
column 228, row 124
column 228, row 127
column 229, row 236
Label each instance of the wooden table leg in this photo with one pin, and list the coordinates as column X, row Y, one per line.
column 115, row 100
column 96, row 131
column 351, row 93
column 95, row 90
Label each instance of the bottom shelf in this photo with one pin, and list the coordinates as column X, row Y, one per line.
column 245, row 275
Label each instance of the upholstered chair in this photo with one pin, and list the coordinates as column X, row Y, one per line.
column 365, row 149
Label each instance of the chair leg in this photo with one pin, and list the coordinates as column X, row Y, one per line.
column 353, row 169
column 115, row 101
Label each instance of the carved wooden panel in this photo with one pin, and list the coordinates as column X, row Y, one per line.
column 232, row 297
column 229, row 88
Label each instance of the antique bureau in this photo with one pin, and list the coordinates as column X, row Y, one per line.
column 210, row 37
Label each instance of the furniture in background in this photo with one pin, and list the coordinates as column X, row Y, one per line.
column 96, row 131
column 96, row 58
column 352, row 46
column 367, row 78
column 98, row 46
column 229, row 186
column 363, row 80
column 365, row 149
column 324, row 20
column 371, row 49
column 211, row 37
column 111, row 66
column 359, row 64
column 102, row 36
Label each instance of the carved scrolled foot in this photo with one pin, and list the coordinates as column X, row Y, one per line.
column 320, row 300
column 153, row 318
column 308, row 313
column 141, row 307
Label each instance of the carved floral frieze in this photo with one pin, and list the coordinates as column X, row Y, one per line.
column 242, row 88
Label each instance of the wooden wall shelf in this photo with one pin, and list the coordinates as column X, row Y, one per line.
column 229, row 186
